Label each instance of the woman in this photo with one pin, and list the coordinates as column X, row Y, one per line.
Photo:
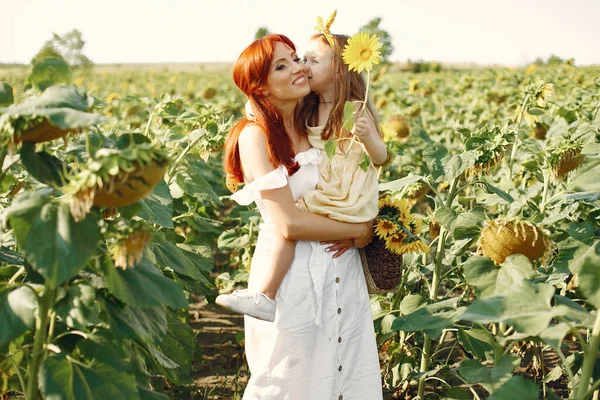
column 322, row 343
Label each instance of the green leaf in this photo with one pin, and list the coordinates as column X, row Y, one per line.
column 148, row 324
column 535, row 111
column 517, row 387
column 157, row 207
column 349, row 109
column 77, row 308
column 445, row 216
column 433, row 154
column 432, row 318
column 526, row 306
column 477, row 341
column 365, row 162
column 196, row 186
column 62, row 378
column 490, row 378
column 386, row 323
column 330, row 147
column 481, row 273
column 182, row 262
column 43, row 166
column 147, row 394
column 577, row 253
column 589, row 277
column 497, row 191
column 63, row 105
column 459, row 163
column 10, row 257
column 468, row 225
column 144, row 286
column 398, row 184
column 54, row 244
column 178, row 343
column 17, row 309
column 411, row 303
column 586, row 180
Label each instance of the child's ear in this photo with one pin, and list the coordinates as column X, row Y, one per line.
column 263, row 92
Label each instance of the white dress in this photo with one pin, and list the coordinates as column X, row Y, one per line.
column 321, row 345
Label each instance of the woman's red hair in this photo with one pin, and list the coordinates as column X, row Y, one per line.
column 250, row 74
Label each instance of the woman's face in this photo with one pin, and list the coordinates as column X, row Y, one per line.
column 319, row 59
column 287, row 76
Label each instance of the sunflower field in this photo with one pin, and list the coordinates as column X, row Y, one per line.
column 116, row 222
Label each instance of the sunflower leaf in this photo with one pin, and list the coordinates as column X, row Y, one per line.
column 349, row 109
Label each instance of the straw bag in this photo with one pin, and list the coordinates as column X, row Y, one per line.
column 382, row 268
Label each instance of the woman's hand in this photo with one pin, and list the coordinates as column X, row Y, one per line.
column 340, row 247
column 366, row 237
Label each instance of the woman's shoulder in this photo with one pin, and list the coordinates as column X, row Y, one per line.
column 252, row 136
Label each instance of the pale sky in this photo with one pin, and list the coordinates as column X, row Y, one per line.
column 507, row 32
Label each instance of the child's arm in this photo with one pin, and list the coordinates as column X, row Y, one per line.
column 364, row 128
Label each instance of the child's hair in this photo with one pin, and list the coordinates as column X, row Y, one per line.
column 348, row 85
column 250, row 74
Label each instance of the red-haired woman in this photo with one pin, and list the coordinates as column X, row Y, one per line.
column 319, row 346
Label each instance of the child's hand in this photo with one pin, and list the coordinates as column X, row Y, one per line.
column 339, row 247
column 363, row 127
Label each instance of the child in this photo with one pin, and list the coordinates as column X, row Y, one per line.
column 345, row 191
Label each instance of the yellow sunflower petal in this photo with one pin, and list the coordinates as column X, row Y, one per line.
column 394, row 242
column 384, row 228
column 362, row 52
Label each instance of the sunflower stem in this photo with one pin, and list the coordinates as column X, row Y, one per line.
column 38, row 352
column 362, row 108
column 3, row 153
column 546, row 176
column 589, row 358
column 435, row 281
column 423, row 366
column 180, row 158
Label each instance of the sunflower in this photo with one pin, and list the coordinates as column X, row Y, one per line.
column 395, row 243
column 361, row 52
column 385, row 228
column 403, row 208
column 545, row 91
column 415, row 246
column 505, row 236
column 386, row 208
column 128, row 252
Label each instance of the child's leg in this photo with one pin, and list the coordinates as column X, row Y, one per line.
column 259, row 302
column 282, row 256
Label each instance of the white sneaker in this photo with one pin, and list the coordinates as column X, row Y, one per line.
column 251, row 303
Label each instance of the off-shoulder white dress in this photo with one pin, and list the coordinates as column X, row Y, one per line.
column 321, row 345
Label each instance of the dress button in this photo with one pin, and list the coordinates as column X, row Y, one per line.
column 340, row 339
column 337, row 280
column 339, row 310
column 340, row 368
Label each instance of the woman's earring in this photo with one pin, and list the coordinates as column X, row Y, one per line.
column 231, row 183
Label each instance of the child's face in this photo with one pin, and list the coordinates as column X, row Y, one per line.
column 319, row 58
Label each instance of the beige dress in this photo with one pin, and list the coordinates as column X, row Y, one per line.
column 345, row 192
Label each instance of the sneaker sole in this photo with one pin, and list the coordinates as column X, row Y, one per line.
column 257, row 315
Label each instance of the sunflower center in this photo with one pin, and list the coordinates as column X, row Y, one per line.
column 365, row 53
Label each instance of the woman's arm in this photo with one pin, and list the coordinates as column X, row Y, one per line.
column 292, row 223
column 295, row 224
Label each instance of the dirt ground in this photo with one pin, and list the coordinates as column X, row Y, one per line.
column 220, row 372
